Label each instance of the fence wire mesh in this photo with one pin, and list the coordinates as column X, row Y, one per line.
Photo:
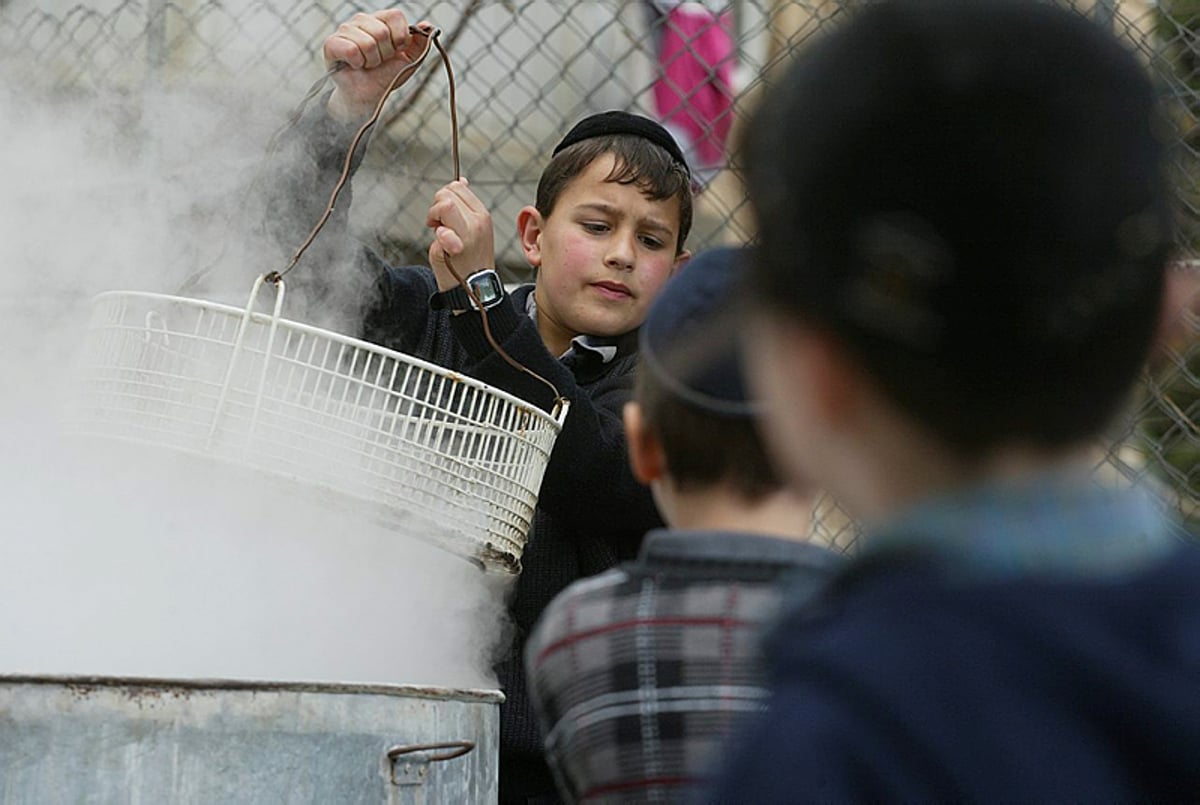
column 528, row 69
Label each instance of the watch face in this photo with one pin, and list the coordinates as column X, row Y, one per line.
column 487, row 287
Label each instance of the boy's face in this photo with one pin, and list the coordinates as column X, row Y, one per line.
column 602, row 256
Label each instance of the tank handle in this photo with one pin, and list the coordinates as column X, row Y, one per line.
column 411, row 771
column 459, row 748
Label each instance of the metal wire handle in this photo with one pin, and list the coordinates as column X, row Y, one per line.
column 432, row 39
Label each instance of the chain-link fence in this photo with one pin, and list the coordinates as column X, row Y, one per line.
column 527, row 69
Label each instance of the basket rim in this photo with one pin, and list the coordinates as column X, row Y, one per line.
column 358, row 343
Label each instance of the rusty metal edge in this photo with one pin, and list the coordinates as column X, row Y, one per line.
column 80, row 683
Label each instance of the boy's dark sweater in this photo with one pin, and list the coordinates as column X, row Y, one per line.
column 591, row 512
column 904, row 683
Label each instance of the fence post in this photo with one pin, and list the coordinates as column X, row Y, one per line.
column 156, row 37
column 152, row 89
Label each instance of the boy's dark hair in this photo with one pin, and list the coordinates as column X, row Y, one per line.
column 655, row 171
column 704, row 449
column 690, row 382
column 969, row 196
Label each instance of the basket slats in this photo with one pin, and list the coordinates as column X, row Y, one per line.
column 372, row 425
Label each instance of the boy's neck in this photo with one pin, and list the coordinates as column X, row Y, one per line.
column 718, row 508
column 557, row 339
column 890, row 472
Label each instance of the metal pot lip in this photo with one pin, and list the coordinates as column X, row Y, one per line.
column 84, row 684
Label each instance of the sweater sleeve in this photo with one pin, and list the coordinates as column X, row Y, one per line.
column 852, row 704
column 797, row 751
column 816, row 743
column 301, row 175
column 338, row 282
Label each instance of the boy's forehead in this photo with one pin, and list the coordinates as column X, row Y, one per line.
column 593, row 187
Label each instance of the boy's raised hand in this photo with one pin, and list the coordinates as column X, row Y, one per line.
column 374, row 47
column 462, row 229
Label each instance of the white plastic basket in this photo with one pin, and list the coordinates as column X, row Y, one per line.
column 373, row 426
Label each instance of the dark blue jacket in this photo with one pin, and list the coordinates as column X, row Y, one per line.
column 903, row 685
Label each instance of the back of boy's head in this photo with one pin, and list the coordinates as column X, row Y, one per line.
column 689, row 381
column 969, row 196
column 646, row 156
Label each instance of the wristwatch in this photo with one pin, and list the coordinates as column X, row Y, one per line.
column 487, row 286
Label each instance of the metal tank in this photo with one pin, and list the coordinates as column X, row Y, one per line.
column 119, row 740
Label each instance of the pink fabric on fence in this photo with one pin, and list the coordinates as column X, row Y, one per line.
column 694, row 92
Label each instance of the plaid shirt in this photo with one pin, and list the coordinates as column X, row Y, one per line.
column 639, row 673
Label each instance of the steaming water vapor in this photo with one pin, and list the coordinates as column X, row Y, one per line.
column 122, row 560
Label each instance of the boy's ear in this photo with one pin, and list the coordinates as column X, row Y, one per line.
column 809, row 370
column 529, row 230
column 680, row 260
column 829, row 376
column 646, row 457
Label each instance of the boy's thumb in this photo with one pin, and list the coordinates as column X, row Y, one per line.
column 448, row 239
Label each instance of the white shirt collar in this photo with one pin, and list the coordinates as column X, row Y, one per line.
column 603, row 347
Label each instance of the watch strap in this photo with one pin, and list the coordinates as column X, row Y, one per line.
column 454, row 299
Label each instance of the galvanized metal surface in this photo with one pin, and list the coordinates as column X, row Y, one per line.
column 113, row 740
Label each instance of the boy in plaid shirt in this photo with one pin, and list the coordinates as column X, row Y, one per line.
column 638, row 674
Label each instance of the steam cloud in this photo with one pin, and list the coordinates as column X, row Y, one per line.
column 134, row 561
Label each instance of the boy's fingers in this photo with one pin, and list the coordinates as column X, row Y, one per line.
column 366, row 41
column 450, row 205
column 440, row 210
column 462, row 191
column 449, row 240
column 414, row 44
column 343, row 48
column 381, row 34
column 461, row 225
column 397, row 25
column 372, row 37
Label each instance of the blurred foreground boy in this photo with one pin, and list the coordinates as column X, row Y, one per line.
column 639, row 673
column 963, row 219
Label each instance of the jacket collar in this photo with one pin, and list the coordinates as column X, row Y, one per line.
column 666, row 548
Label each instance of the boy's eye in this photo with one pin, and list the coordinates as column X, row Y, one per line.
column 651, row 242
column 595, row 226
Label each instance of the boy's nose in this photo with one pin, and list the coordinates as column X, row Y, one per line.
column 620, row 253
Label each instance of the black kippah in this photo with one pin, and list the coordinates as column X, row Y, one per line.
column 617, row 122
column 687, row 342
